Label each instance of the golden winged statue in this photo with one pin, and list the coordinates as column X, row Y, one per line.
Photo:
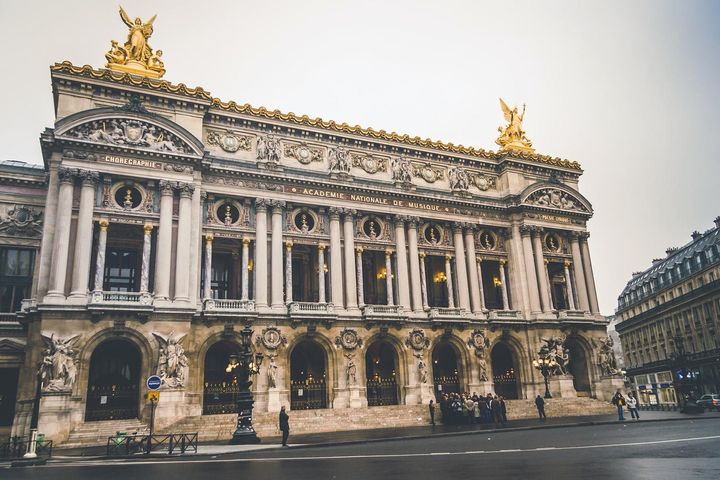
column 512, row 136
column 136, row 56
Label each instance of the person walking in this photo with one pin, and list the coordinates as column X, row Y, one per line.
column 632, row 405
column 432, row 413
column 540, row 404
column 496, row 410
column 284, row 425
column 619, row 401
column 503, row 409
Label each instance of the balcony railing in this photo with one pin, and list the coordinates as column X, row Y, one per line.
column 503, row 314
column 447, row 312
column 135, row 298
column 300, row 308
column 383, row 310
column 228, row 305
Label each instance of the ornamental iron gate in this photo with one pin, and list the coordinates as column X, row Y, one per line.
column 219, row 398
column 382, row 391
column 308, row 394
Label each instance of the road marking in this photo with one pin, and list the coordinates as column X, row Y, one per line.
column 377, row 455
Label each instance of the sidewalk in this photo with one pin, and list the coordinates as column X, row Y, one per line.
column 383, row 434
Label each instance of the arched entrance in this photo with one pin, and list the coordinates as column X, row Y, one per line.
column 382, row 372
column 114, row 381
column 445, row 369
column 308, row 376
column 504, row 372
column 220, row 388
column 578, row 367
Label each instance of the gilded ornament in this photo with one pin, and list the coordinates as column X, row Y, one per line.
column 136, row 56
column 512, row 136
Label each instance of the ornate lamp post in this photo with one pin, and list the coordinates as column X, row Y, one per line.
column 545, row 365
column 245, row 364
column 680, row 373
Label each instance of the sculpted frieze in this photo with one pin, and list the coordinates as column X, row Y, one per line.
column 555, row 198
column 58, row 369
column 130, row 133
column 459, row 179
column 20, row 221
column 302, row 152
column 483, row 182
column 369, row 163
column 172, row 362
column 428, row 172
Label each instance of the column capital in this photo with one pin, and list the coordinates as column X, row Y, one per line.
column 573, row 235
column 566, row 264
column 422, row 254
column 277, row 206
column 478, row 260
column 147, row 228
column 448, row 257
column 503, row 262
column 321, row 246
column 412, row 221
column 388, row 252
column 536, row 230
column 457, row 227
column 66, row 175
column 186, row 189
column 400, row 220
column 88, row 178
column 359, row 250
column 166, row 188
column 209, row 237
column 349, row 213
column 334, row 213
column 104, row 223
column 584, row 236
column 470, row 228
column 246, row 241
column 289, row 245
column 261, row 204
column 525, row 230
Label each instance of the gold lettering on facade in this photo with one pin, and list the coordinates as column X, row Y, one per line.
column 133, row 162
column 369, row 199
column 554, row 218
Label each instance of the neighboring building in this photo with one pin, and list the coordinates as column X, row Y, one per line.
column 376, row 269
column 670, row 309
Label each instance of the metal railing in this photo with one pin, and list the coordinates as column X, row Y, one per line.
column 133, row 444
column 382, row 391
column 16, row 447
column 308, row 394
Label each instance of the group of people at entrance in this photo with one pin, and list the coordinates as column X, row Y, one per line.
column 463, row 408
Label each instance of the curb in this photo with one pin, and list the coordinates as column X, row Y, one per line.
column 71, row 459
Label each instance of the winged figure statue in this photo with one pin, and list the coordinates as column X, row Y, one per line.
column 512, row 136
column 135, row 55
column 172, row 362
column 58, row 369
column 137, row 42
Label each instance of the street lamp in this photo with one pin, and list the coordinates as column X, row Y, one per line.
column 545, row 365
column 245, row 364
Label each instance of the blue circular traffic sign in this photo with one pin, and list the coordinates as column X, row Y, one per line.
column 153, row 382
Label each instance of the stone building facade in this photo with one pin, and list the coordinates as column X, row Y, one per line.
column 374, row 268
column 668, row 319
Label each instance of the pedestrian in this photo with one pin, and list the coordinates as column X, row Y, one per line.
column 540, row 404
column 632, row 406
column 619, row 401
column 432, row 413
column 284, row 425
column 503, row 409
column 476, row 412
column 470, row 406
column 496, row 410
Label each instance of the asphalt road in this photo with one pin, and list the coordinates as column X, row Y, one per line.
column 672, row 450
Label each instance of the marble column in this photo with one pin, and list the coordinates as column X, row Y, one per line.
column 480, row 282
column 245, row 278
column 423, row 281
column 321, row 273
column 388, row 277
column 207, row 279
column 182, row 257
column 350, row 285
column 517, row 273
column 503, row 286
column 276, row 256
column 472, row 270
column 589, row 276
column 530, row 273
column 261, row 256
column 460, row 268
column 568, row 286
column 580, row 286
column 448, row 281
column 547, row 278
column 418, row 302
column 84, row 235
column 100, row 257
column 44, row 258
column 61, row 244
column 288, row 272
column 541, row 270
column 403, row 282
column 336, row 271
column 164, row 242
column 147, row 250
column 359, row 269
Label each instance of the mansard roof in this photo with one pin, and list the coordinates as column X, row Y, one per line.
column 201, row 94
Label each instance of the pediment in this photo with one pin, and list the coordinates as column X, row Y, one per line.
column 128, row 129
column 8, row 346
column 555, row 196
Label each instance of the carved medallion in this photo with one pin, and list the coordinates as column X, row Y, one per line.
column 271, row 338
column 479, row 341
column 303, row 153
column 21, row 220
column 483, row 182
column 417, row 340
column 428, row 173
column 369, row 163
column 348, row 339
column 229, row 141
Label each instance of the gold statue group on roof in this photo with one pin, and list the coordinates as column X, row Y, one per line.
column 136, row 56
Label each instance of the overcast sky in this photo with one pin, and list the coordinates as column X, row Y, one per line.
column 627, row 88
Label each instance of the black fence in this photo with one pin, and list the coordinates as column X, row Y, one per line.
column 308, row 394
column 170, row 443
column 382, row 391
column 220, row 398
column 661, row 407
column 17, row 447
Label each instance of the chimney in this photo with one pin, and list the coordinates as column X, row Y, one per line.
column 695, row 235
column 717, row 222
column 671, row 250
column 657, row 260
